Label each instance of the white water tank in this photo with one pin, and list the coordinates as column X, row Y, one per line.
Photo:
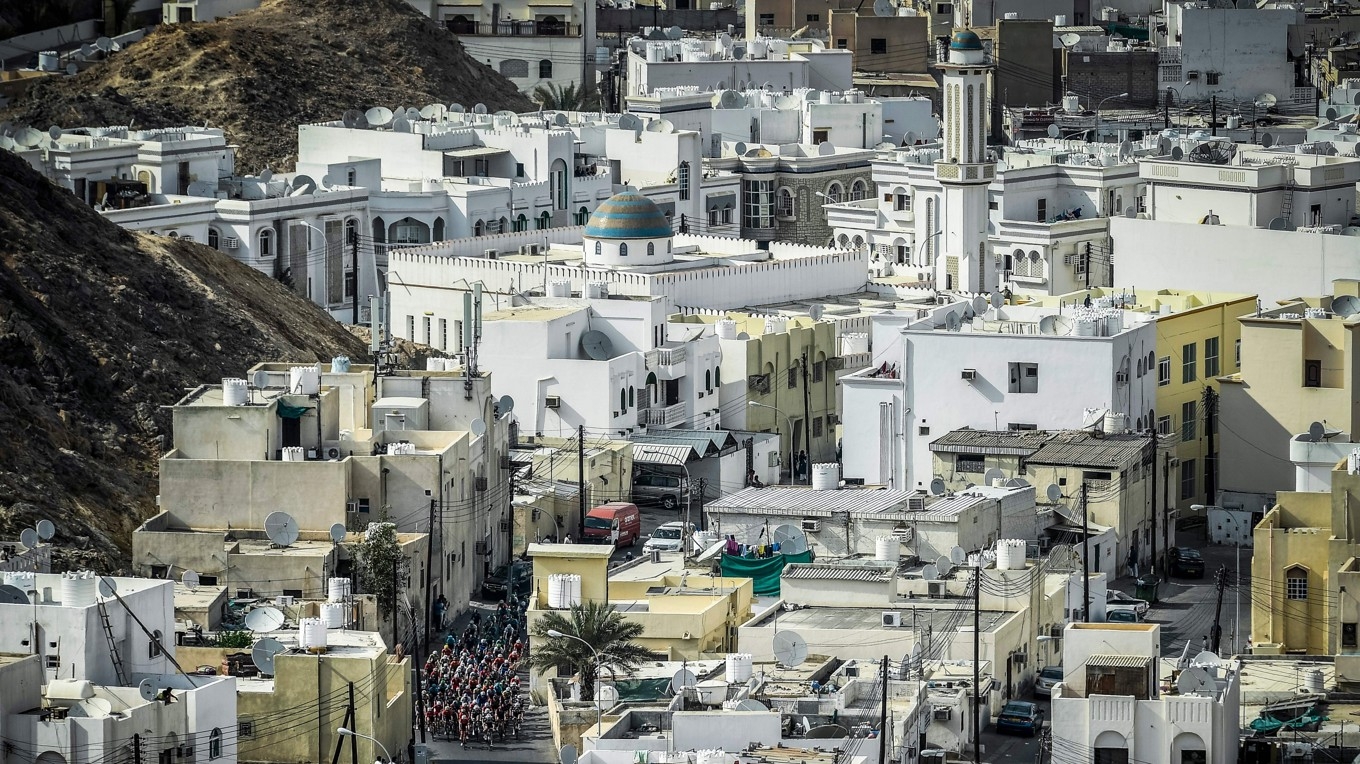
column 338, row 589
column 564, row 590
column 739, row 667
column 1071, row 104
column 726, row 329
column 1114, row 323
column 655, row 52
column 826, row 476
column 711, row 692
column 22, row 580
column 826, row 96
column 78, row 589
column 1060, row 20
column 776, row 325
column 559, row 288
column 756, row 49
column 49, row 61
column 333, row 613
column 312, row 634
column 888, row 549
column 854, row 342
column 235, row 392
column 1087, row 327
column 1313, row 681
column 779, row 49
column 1115, row 422
column 304, row 380
column 294, row 454
column 597, row 290
column 1010, row 554
column 340, row 364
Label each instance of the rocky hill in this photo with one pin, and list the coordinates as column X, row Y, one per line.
column 261, row 73
column 99, row 328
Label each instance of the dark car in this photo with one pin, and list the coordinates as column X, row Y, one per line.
column 494, row 586
column 1019, row 716
column 1186, row 562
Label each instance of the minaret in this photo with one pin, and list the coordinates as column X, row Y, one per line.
column 963, row 262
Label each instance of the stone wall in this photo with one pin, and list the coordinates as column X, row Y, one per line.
column 809, row 225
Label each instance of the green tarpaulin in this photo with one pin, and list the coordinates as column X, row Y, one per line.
column 292, row 412
column 764, row 572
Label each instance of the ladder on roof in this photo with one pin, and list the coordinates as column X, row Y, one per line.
column 1287, row 204
column 113, row 644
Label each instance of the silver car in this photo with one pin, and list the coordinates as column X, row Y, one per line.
column 1048, row 677
column 658, row 488
column 1115, row 599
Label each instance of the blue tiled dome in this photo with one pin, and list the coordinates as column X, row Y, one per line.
column 628, row 215
column 965, row 39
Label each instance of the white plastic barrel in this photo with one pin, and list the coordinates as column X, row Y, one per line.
column 726, row 329
column 340, row 364
column 1313, row 681
column 1010, row 554
column 235, row 392
column 1115, row 422
column 333, row 613
column 826, row 476
column 78, row 589
column 888, row 549
column 739, row 667
column 304, row 380
column 559, row 288
column 294, row 454
column 312, row 633
column 338, row 589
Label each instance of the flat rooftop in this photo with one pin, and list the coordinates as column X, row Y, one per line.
column 596, row 551
column 340, row 643
column 942, row 620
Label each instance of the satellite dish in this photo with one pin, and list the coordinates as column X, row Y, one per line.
column 506, row 404
column 1125, row 151
column 629, row 122
column 351, row 118
column 190, row 580
column 337, row 533
column 1331, row 112
column 264, row 651
column 411, row 113
column 979, row 304
column 884, row 8
column 104, row 44
column 740, row 148
column 6, row 143
column 654, row 126
column 597, row 345
column 827, row 732
column 457, row 108
column 1278, row 224
column 264, row 619
column 1344, row 306
column 991, row 475
column 674, row 33
column 327, row 181
column 87, row 50
column 790, row 649
column 957, row 556
column 567, row 755
column 94, row 708
column 1206, row 659
column 108, row 587
column 731, row 99
column 29, row 538
column 1195, row 680
column 937, row 487
column 479, row 108
column 1054, row 131
column 951, row 322
column 281, row 528
column 1177, row 153
column 997, row 300
column 266, row 175
column 944, row 565
column 1017, row 483
column 684, row 678
column 750, row 704
column 785, row 103
column 73, row 69
column 401, row 125
column 606, row 696
column 260, row 379
column 816, row 311
column 147, row 690
column 790, row 538
column 303, row 184
column 1317, row 431
column 1349, row 230
column 28, row 137
column 931, row 572
column 433, row 111
column 478, row 427
column 1266, row 100
column 1267, row 140
column 379, row 116
column 1054, row 493
column 560, row 120
column 1069, row 40
column 826, row 149
column 12, row 595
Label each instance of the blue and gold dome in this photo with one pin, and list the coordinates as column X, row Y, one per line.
column 965, row 39
column 628, row 215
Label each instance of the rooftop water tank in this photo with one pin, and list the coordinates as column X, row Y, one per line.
column 340, row 364
column 304, row 380
column 1010, row 554
column 559, row 288
column 78, row 589
column 235, row 392
column 739, row 667
column 294, row 454
column 888, row 549
column 826, row 476
column 564, row 590
column 339, row 589
column 726, row 329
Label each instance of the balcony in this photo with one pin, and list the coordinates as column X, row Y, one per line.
column 465, row 27
column 668, row 416
column 668, row 363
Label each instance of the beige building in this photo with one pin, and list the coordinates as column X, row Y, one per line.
column 546, row 488
column 881, row 44
column 1298, row 366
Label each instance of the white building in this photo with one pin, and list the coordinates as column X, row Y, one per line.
column 530, row 42
column 725, row 63
column 1235, row 53
column 1111, row 702
column 966, row 365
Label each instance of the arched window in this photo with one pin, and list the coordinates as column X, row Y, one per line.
column 214, row 238
column 154, row 650
column 717, row 376
column 1036, row 265
column 544, row 220
column 835, row 192
column 623, row 401
column 598, row 249
column 582, row 216
column 858, row 189
column 1296, row 583
column 545, row 69
column 215, row 743
column 651, row 248
column 409, row 231
column 266, row 247
column 682, row 180
column 514, row 67
column 502, row 225
column 351, row 231
column 477, row 228
column 623, row 249
column 439, row 229
column 632, row 395
column 1019, row 263
column 783, row 203
column 708, row 381
column 379, row 231
column 351, row 177
column 521, row 223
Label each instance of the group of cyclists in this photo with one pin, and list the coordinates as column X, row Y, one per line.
column 472, row 685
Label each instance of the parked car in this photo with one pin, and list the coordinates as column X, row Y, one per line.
column 1019, row 716
column 658, row 488
column 1048, row 676
column 667, row 537
column 618, row 523
column 1186, row 561
column 521, row 572
column 1128, row 615
column 1117, row 599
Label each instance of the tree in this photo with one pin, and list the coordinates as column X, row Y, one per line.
column 378, row 558
column 566, row 97
column 603, row 628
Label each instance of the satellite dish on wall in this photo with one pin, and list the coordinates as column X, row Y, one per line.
column 147, row 690
column 826, row 149
column 12, row 595
column 264, row 619
column 506, row 404
column 190, row 580
column 682, row 679
column 597, row 345
column 303, row 184
column 951, row 322
column 1069, row 40
column 1266, row 100
column 884, row 8
column 979, row 304
column 1317, row 431
column 749, row 704
column 991, row 475
column 1331, row 112
column 1054, row 131
column 108, row 588
column 740, row 148
column 266, row 175
column 1344, row 306
column 479, row 108
column 944, row 565
column 1195, row 680
column 337, row 533
column 937, row 487
column 1177, row 153
column 351, row 118
column 281, row 528
column 1267, row 139
column 815, row 311
column 478, row 427
column 1054, row 493
column 790, row 649
column 790, row 538
column 997, row 300
column 29, row 538
column 457, row 108
column 1278, row 224
column 46, row 530
column 401, row 125
column 263, row 653
column 629, row 122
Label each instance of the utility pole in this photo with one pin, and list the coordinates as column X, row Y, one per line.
column 354, row 267
column 977, row 672
column 396, row 568
column 1086, row 262
column 1152, row 467
column 1085, row 558
column 1166, row 481
column 417, row 665
column 1213, row 118
column 136, row 748
column 581, row 481
column 1210, row 457
column 807, row 412
column 883, row 717
column 1216, row 631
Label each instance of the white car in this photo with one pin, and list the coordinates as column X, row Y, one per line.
column 1117, row 600
column 667, row 537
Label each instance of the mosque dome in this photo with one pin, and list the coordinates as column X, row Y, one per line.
column 965, row 39
column 628, row 215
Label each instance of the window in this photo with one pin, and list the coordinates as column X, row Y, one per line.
column 682, row 180
column 820, row 134
column 816, row 427
column 841, row 43
column 1024, row 378
column 726, row 214
column 443, row 334
column 545, row 69
column 351, row 177
column 835, row 192
column 793, row 377
column 582, row 216
column 266, row 248
column 993, row 204
column 1021, row 426
column 411, row 328
column 1111, row 756
column 1189, row 421
column 902, row 202
column 767, row 19
column 481, row 167
column 425, row 329
column 818, row 371
column 783, row 203
column 1211, row 78
column 521, row 223
column 160, row 571
column 623, row 249
column 155, row 650
column 757, row 200
column 214, row 238
column 970, row 463
column 294, row 593
column 519, row 169
column 858, row 190
column 1296, row 584
column 651, row 248
column 708, row 380
column 1042, row 214
column 544, row 220
column 1187, row 479
column 1237, row 354
column 623, row 401
column 1188, row 362
column 598, row 249
column 215, row 743
column 1164, row 425
column 245, row 728
column 1211, row 357
column 944, row 8
column 1164, row 371
column 814, row 17
column 878, row 45
column 1312, row 373
column 923, row 430
column 514, row 67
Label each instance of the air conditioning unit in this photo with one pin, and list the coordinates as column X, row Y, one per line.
column 835, row 363
column 285, row 599
column 812, row 526
column 942, row 713
column 969, row 374
column 552, row 401
column 537, row 250
column 492, row 254
column 936, row 589
column 892, row 618
column 1298, row 750
column 481, row 548
column 331, row 449
column 833, row 419
column 504, row 525
column 184, row 751
column 916, row 503
column 231, row 242
column 245, row 594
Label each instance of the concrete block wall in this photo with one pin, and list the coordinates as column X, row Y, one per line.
column 1100, row 75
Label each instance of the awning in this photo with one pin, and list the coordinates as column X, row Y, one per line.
column 287, row 411
column 657, row 453
column 474, row 151
column 718, row 201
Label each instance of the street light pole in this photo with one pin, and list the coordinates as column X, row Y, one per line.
column 689, row 499
column 921, row 248
column 599, row 710
column 789, row 422
column 1102, row 103
column 344, row 731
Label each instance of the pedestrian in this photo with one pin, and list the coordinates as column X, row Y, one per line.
column 1204, row 643
column 802, row 465
column 567, row 540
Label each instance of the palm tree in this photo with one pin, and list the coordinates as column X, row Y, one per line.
column 596, row 624
column 566, row 97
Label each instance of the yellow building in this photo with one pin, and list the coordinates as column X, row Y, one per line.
column 1197, row 339
column 1305, row 576
column 787, row 366
column 1298, row 367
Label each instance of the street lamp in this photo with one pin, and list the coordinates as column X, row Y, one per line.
column 1102, row 103
column 349, row 732
column 921, row 248
column 1166, row 105
column 599, row 710
column 1237, row 590
column 788, row 421
column 689, row 498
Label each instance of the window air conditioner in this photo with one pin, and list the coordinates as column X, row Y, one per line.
column 892, row 618
column 936, row 590
column 969, row 374
column 552, row 401
column 812, row 526
column 833, row 419
column 835, row 363
column 231, row 242
column 943, row 713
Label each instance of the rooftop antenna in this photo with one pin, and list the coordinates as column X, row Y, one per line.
column 1346, row 305
column 506, row 404
column 931, row 572
column 264, row 619
column 337, row 533
column 478, row 427
column 1317, row 431
column 790, row 649
column 190, row 579
column 957, row 555
column 682, row 679
column 147, row 690
column 281, row 528
column 1054, row 493
column 264, row 651
column 597, row 345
